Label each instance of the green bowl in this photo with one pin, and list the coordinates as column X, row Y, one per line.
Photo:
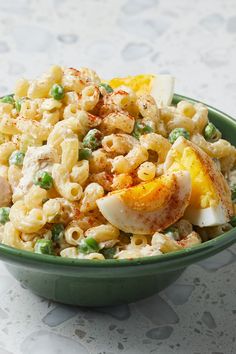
column 112, row 282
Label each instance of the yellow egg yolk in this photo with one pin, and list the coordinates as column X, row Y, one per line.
column 150, row 196
column 203, row 194
column 140, row 84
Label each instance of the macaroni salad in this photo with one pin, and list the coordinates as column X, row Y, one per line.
column 95, row 170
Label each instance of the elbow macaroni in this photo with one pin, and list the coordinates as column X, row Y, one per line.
column 69, row 190
column 62, row 175
column 70, row 153
column 103, row 233
column 25, row 219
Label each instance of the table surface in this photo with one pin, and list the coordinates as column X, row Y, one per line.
column 193, row 40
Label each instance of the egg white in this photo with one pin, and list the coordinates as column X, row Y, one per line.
column 211, row 216
column 163, row 89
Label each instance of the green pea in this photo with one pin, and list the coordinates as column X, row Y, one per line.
column 108, row 253
column 16, row 158
column 233, row 221
column 18, row 104
column 44, row 246
column 85, row 154
column 43, row 179
column 92, row 139
column 172, row 232
column 58, row 232
column 177, row 132
column 141, row 128
column 211, row 133
column 233, row 193
column 4, row 215
column 57, row 92
column 107, row 87
column 8, row 99
column 88, row 245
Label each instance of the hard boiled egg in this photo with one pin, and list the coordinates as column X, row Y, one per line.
column 150, row 206
column 210, row 202
column 161, row 87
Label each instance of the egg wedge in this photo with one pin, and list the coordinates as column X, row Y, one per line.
column 150, row 206
column 161, row 87
column 210, row 202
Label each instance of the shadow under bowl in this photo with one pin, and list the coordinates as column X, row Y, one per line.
column 113, row 282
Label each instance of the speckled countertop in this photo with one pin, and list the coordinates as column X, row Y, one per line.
column 195, row 40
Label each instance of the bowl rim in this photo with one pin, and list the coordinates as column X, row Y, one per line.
column 207, row 248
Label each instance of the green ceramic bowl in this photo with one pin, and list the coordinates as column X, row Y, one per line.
column 112, row 282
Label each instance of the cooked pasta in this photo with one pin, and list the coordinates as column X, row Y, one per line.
column 70, row 143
